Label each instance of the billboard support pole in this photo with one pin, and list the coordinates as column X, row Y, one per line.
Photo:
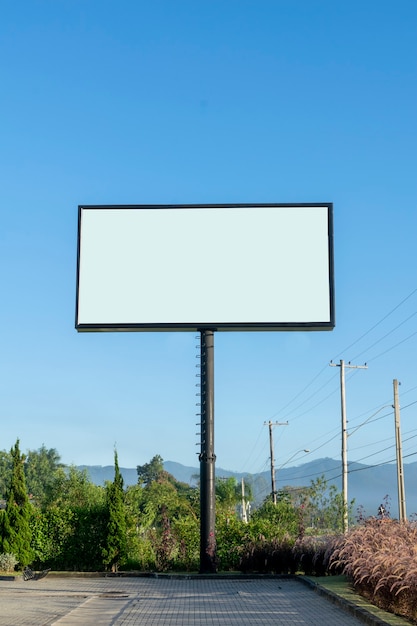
column 207, row 457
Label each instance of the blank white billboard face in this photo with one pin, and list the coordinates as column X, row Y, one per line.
column 246, row 267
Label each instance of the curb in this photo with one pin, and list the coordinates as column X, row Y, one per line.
column 349, row 607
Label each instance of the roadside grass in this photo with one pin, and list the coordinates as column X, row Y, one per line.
column 340, row 586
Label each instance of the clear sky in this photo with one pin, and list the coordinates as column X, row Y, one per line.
column 237, row 101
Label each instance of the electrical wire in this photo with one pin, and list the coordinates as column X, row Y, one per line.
column 377, row 324
column 300, row 393
column 371, row 419
column 384, row 336
column 392, row 347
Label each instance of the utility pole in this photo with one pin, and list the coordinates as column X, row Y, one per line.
column 244, row 514
column 271, row 447
column 342, row 366
column 398, row 447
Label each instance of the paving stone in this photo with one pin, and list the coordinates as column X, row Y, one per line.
column 166, row 602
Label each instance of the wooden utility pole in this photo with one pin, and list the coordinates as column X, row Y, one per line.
column 271, row 447
column 398, row 446
column 342, row 366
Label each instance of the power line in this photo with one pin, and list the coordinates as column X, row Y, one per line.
column 385, row 336
column 367, row 467
column 377, row 324
column 392, row 347
column 309, row 385
column 301, row 392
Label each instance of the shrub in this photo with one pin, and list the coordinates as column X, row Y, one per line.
column 268, row 556
column 230, row 539
column 312, row 554
column 186, row 531
column 380, row 558
column 7, row 562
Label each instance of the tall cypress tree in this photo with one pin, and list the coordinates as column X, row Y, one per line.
column 116, row 540
column 16, row 533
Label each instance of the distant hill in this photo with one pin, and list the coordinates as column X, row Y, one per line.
column 367, row 485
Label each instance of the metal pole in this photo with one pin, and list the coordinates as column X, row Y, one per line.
column 207, row 457
column 398, row 445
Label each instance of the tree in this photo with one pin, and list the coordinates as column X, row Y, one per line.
column 40, row 470
column 70, row 526
column 16, row 533
column 325, row 507
column 228, row 494
column 150, row 471
column 5, row 472
column 275, row 520
column 72, row 487
column 115, row 549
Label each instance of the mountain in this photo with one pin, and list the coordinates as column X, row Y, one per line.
column 367, row 485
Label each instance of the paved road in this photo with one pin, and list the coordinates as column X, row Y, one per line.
column 165, row 602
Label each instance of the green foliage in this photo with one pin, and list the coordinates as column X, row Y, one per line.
column 274, row 556
column 230, row 536
column 72, row 487
column 69, row 528
column 40, row 469
column 324, row 508
column 150, row 471
column 274, row 521
column 154, row 525
column 84, row 548
column 228, row 494
column 5, row 473
column 52, row 531
column 186, row 530
column 115, row 549
column 162, row 520
column 16, row 533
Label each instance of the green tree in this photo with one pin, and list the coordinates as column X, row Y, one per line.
column 274, row 520
column 5, row 472
column 72, row 487
column 325, row 507
column 115, row 549
column 69, row 530
column 40, row 469
column 150, row 471
column 16, row 531
column 228, row 493
column 163, row 520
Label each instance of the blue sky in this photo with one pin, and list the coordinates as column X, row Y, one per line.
column 245, row 101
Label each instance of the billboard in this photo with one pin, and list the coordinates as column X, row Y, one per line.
column 246, row 267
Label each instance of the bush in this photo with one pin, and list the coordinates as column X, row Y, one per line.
column 274, row 556
column 312, row 554
column 380, row 559
column 230, row 532
column 8, row 562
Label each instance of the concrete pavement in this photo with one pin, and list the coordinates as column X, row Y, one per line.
column 122, row 601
